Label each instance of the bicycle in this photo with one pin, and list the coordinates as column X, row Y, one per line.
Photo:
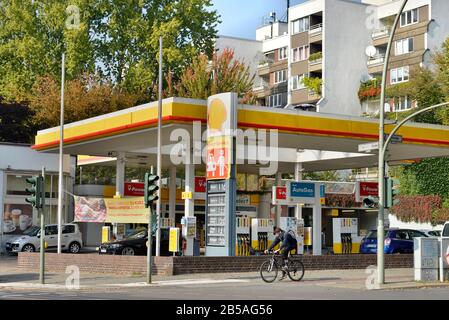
column 270, row 268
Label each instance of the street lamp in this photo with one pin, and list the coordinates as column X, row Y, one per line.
column 381, row 169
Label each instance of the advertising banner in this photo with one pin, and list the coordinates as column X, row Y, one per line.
column 366, row 189
column 219, row 158
column 126, row 210
column 173, row 241
column 279, row 196
column 17, row 218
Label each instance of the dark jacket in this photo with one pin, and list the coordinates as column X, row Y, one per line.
column 286, row 239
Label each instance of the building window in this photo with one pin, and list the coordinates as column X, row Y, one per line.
column 399, row 75
column 283, row 53
column 301, row 25
column 275, row 100
column 402, row 104
column 404, row 46
column 298, row 82
column 300, row 54
column 280, row 76
column 409, row 17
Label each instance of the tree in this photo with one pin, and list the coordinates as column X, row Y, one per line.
column 84, row 98
column 15, row 123
column 115, row 39
column 222, row 73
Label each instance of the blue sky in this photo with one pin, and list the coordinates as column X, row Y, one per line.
column 240, row 18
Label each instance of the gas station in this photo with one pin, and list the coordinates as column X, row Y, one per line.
column 288, row 141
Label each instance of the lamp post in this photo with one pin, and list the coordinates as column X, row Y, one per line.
column 61, row 155
column 381, row 169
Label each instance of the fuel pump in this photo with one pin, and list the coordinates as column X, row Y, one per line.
column 243, row 236
column 345, row 235
column 261, row 234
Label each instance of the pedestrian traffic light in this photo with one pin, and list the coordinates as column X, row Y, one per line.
column 150, row 189
column 392, row 191
column 370, row 202
column 36, row 191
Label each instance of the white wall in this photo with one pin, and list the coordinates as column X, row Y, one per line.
column 439, row 28
column 23, row 158
column 396, row 223
column 344, row 57
column 248, row 51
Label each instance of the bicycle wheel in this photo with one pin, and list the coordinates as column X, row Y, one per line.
column 269, row 271
column 295, row 269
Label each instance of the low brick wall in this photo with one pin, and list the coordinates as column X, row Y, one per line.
column 129, row 265
column 184, row 265
column 95, row 263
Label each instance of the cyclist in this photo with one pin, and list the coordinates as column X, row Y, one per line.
column 287, row 243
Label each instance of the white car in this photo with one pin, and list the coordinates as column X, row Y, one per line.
column 432, row 233
column 30, row 242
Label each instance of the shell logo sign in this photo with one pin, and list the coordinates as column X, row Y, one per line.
column 221, row 124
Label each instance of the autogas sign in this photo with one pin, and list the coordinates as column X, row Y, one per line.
column 302, row 190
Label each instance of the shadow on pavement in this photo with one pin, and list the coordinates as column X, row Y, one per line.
column 22, row 277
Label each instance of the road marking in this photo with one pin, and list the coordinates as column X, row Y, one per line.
column 177, row 283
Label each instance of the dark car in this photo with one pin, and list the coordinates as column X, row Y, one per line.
column 135, row 244
column 396, row 241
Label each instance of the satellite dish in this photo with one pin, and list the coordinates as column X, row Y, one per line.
column 370, row 51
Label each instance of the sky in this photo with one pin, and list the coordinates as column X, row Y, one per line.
column 240, row 18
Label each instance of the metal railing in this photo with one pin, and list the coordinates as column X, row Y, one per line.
column 317, row 28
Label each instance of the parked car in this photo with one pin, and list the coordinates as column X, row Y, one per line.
column 135, row 244
column 72, row 240
column 432, row 233
column 396, row 241
column 445, row 232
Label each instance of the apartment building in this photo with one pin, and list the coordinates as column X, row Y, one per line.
column 422, row 29
column 326, row 57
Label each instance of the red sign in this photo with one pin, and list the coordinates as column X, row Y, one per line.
column 369, row 189
column 218, row 166
column 134, row 189
column 200, row 184
column 281, row 193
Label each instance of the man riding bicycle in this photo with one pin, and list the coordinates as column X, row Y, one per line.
column 288, row 243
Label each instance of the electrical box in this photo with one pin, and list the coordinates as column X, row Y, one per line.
column 345, row 235
column 261, row 234
column 297, row 226
column 243, row 241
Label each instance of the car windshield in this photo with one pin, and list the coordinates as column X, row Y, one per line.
column 32, row 232
column 138, row 234
column 373, row 234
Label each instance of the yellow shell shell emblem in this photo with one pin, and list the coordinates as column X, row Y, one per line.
column 217, row 115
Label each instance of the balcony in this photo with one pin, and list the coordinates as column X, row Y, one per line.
column 264, row 67
column 316, row 62
column 316, row 33
column 380, row 36
column 375, row 63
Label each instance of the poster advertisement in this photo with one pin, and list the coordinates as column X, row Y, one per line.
column 126, row 210
column 17, row 218
column 218, row 158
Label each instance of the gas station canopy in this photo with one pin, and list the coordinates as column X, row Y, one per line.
column 317, row 140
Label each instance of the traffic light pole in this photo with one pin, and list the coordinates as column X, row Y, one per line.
column 150, row 246
column 381, row 168
column 41, row 211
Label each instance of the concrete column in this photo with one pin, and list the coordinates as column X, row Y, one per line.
column 278, row 208
column 189, row 203
column 298, row 177
column 317, row 223
column 172, row 193
column 120, row 174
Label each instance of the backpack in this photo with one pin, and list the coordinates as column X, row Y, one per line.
column 293, row 234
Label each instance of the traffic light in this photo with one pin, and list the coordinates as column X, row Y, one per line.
column 370, row 202
column 150, row 189
column 392, row 191
column 37, row 191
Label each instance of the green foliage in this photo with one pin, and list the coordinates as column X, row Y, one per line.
column 331, row 175
column 116, row 39
column 313, row 83
column 369, row 89
column 316, row 56
column 15, row 123
column 221, row 74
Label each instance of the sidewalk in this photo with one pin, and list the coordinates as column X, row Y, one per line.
column 13, row 278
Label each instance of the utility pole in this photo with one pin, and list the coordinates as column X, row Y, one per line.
column 61, row 151
column 42, row 240
column 159, row 153
column 381, row 169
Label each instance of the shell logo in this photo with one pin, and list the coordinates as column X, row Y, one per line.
column 217, row 116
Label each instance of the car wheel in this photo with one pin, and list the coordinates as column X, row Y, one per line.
column 128, row 251
column 28, row 248
column 74, row 247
